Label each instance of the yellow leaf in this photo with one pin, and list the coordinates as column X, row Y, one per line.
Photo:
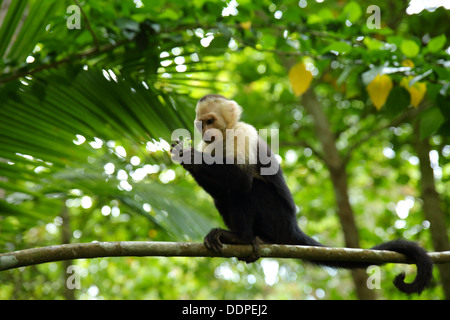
column 405, row 82
column 416, row 91
column 379, row 90
column 408, row 63
column 300, row 78
column 246, row 25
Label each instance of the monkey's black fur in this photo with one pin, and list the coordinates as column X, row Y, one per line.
column 259, row 209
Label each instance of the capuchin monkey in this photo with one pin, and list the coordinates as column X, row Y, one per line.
column 258, row 207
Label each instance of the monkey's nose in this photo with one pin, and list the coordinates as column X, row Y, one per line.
column 212, row 135
column 208, row 138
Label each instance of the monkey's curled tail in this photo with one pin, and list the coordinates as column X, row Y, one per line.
column 410, row 249
column 420, row 257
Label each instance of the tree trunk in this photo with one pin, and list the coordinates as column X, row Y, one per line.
column 66, row 235
column 339, row 178
column 432, row 208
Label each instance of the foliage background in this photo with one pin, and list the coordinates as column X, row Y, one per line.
column 86, row 117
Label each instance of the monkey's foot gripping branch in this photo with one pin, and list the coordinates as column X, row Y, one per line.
column 27, row 257
column 217, row 237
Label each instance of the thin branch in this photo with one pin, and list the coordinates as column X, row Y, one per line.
column 88, row 25
column 27, row 257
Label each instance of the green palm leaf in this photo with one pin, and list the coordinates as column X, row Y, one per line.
column 108, row 97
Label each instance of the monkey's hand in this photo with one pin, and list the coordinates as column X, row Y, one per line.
column 212, row 240
column 183, row 155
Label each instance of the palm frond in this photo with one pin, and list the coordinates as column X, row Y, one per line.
column 63, row 112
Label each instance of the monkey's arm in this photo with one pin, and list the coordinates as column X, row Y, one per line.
column 214, row 178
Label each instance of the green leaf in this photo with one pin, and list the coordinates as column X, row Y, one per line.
column 352, row 11
column 33, row 27
column 321, row 16
column 314, row 18
column 338, row 46
column 268, row 41
column 410, row 48
column 403, row 179
column 397, row 102
column 437, row 43
column 218, row 45
column 9, row 24
column 372, row 44
column 430, row 121
column 170, row 15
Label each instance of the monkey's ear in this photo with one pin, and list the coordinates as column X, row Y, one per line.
column 234, row 113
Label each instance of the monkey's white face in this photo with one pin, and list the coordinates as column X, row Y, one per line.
column 211, row 124
column 211, row 128
column 214, row 116
column 217, row 118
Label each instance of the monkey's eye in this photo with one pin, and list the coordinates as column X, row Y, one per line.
column 210, row 121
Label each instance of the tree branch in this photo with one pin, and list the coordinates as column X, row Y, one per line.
column 88, row 25
column 27, row 257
